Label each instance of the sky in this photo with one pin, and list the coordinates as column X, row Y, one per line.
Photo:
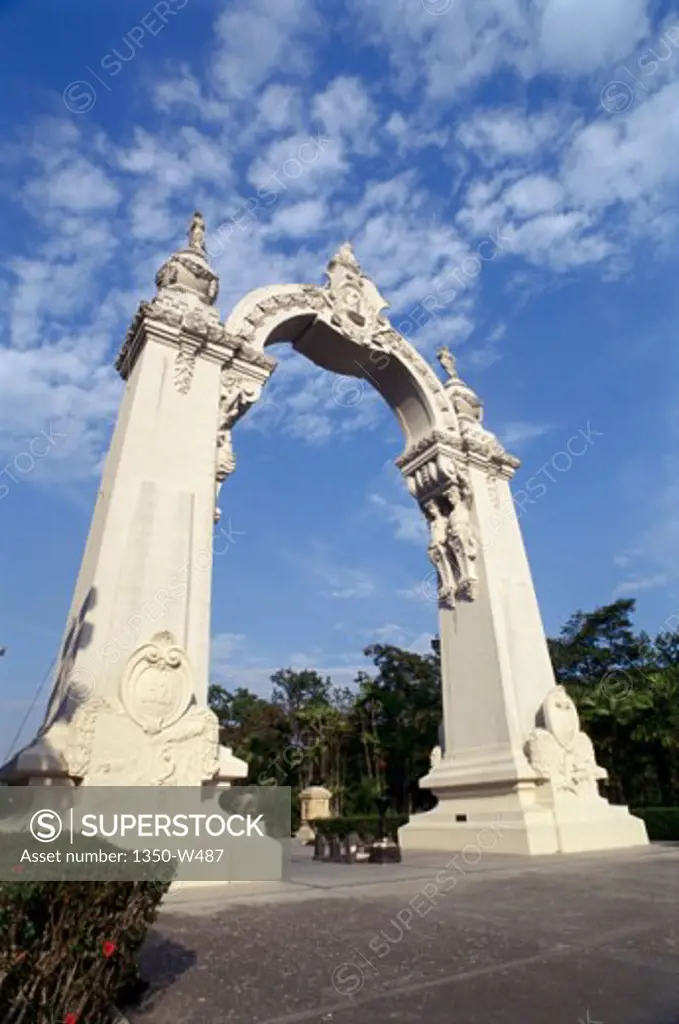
column 419, row 130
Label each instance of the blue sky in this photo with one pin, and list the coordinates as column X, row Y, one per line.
column 438, row 123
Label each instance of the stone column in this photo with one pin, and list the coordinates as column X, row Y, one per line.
column 490, row 777
column 314, row 803
column 129, row 701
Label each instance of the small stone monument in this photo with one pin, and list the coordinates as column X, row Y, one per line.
column 314, row 803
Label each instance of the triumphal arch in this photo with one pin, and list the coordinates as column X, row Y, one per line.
column 129, row 700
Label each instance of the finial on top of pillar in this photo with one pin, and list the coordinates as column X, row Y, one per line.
column 466, row 402
column 187, row 272
column 447, row 360
column 197, row 232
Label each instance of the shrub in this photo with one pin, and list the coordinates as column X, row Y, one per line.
column 366, row 827
column 68, row 948
column 661, row 822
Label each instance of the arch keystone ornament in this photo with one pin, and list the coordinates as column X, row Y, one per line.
column 511, row 756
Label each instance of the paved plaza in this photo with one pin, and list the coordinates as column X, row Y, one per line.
column 541, row 940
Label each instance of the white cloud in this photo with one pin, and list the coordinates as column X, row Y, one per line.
column 407, row 520
column 78, row 186
column 519, row 432
column 256, row 39
column 400, row 636
column 300, row 219
column 223, row 649
column 534, row 194
column 280, row 107
column 421, row 591
column 481, row 357
column 496, row 135
column 636, row 584
column 470, row 40
column 345, row 110
column 577, row 36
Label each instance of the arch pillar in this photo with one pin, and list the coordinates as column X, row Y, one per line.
column 514, row 765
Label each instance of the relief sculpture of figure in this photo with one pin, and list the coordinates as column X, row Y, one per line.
column 439, row 551
column 237, row 397
column 561, row 752
column 464, row 547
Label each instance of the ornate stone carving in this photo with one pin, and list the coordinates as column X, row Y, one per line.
column 453, row 548
column 184, row 365
column 356, row 303
column 559, row 751
column 200, row 321
column 157, row 687
column 80, row 735
column 199, row 724
column 478, row 443
column 462, row 534
column 238, row 394
column 422, row 446
column 493, row 492
column 440, row 553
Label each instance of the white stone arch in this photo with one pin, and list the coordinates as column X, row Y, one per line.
column 146, row 572
column 341, row 327
column 319, row 325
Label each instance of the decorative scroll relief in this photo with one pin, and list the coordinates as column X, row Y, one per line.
column 561, row 752
column 156, row 687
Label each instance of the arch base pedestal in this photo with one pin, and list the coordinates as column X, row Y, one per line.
column 519, row 818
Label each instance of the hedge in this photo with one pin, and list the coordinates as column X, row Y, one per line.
column 68, row 949
column 366, row 827
column 661, row 822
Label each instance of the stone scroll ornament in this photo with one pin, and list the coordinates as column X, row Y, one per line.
column 559, row 751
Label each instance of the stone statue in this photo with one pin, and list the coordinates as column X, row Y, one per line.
column 197, row 232
column 439, row 551
column 561, row 752
column 463, row 546
column 238, row 394
column 447, row 360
